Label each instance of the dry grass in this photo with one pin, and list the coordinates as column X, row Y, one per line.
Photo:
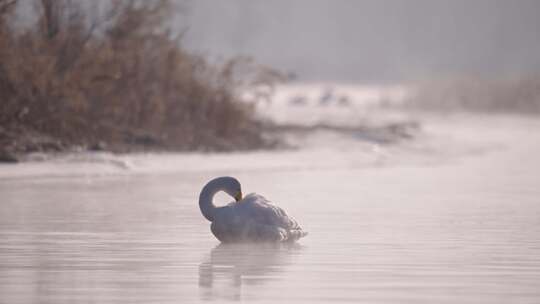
column 117, row 75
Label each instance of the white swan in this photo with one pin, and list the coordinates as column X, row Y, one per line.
column 252, row 218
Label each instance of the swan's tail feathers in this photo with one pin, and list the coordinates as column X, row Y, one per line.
column 295, row 234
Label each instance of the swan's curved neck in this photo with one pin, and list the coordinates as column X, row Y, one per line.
column 205, row 202
column 208, row 209
column 225, row 183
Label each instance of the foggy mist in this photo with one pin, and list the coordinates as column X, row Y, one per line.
column 371, row 41
column 407, row 151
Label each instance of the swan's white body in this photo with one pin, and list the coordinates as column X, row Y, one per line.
column 252, row 218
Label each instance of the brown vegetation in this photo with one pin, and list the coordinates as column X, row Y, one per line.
column 116, row 75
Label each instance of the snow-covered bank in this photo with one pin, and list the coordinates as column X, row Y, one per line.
column 327, row 136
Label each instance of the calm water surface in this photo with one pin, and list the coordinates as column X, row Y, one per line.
column 441, row 230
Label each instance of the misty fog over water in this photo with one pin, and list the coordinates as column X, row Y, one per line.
column 409, row 196
column 449, row 217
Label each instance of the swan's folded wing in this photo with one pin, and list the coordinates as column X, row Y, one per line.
column 270, row 219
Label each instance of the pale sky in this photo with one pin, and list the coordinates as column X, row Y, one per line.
column 371, row 40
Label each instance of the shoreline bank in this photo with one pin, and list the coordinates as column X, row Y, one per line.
column 18, row 143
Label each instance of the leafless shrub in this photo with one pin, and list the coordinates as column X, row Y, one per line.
column 118, row 76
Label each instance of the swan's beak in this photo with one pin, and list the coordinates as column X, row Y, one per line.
column 238, row 196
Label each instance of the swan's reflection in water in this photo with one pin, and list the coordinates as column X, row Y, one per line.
column 231, row 266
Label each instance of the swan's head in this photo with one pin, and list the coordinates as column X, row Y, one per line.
column 232, row 187
column 229, row 185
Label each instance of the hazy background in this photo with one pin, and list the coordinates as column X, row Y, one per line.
column 412, row 191
column 371, row 41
